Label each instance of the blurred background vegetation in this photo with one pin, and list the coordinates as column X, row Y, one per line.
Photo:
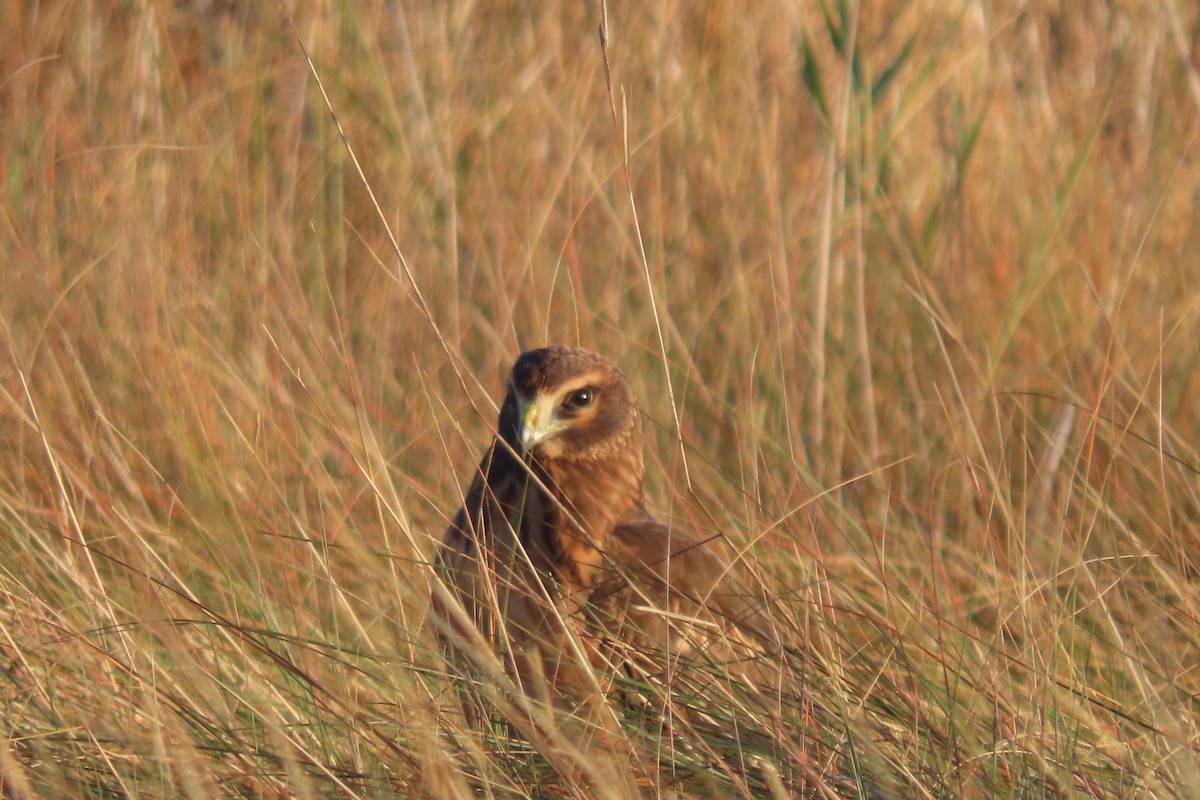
column 908, row 291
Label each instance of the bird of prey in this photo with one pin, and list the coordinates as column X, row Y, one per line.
column 554, row 559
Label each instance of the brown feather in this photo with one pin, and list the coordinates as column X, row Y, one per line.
column 560, row 538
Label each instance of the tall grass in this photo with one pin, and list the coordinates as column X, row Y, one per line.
column 926, row 283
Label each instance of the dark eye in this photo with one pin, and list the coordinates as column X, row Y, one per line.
column 580, row 398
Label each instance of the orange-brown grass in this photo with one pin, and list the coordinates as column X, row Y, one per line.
column 921, row 278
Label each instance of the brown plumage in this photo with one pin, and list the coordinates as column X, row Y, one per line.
column 554, row 541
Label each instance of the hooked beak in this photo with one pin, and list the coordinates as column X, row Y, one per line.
column 537, row 423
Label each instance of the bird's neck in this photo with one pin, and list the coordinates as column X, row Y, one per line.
column 594, row 496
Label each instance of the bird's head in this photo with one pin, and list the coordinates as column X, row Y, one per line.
column 568, row 403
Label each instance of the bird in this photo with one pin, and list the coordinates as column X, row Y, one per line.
column 554, row 560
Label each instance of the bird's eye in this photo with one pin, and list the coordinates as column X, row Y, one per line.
column 580, row 398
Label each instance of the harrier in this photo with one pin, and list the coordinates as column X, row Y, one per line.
column 555, row 559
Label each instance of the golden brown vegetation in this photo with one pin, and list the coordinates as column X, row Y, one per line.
column 910, row 298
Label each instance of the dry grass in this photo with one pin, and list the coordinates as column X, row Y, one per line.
column 929, row 314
